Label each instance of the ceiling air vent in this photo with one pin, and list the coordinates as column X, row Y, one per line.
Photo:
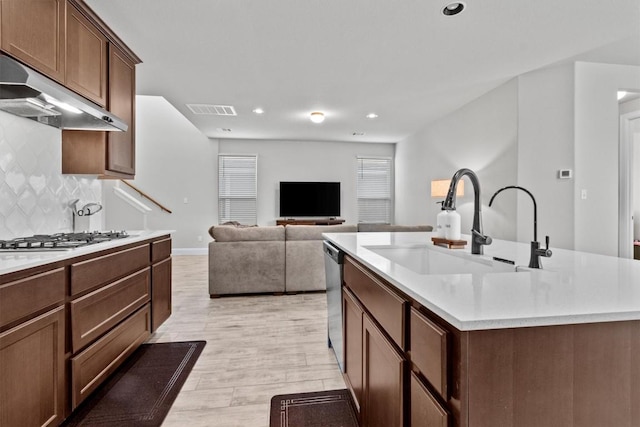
column 212, row 110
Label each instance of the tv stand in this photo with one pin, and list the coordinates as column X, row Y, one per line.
column 324, row 221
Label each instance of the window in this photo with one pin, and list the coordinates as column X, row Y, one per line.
column 237, row 188
column 374, row 189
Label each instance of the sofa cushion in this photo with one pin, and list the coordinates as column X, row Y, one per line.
column 364, row 227
column 231, row 233
column 314, row 232
column 246, row 267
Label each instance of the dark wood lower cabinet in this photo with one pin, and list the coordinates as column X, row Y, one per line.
column 161, row 293
column 32, row 372
column 67, row 326
column 352, row 327
column 578, row 375
column 383, row 379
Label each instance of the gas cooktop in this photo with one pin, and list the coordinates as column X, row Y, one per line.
column 59, row 241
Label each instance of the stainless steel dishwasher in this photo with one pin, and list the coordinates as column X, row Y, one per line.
column 333, row 261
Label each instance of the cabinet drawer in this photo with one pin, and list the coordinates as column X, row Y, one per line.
column 386, row 307
column 89, row 274
column 27, row 296
column 428, row 344
column 160, row 250
column 91, row 367
column 426, row 411
column 94, row 314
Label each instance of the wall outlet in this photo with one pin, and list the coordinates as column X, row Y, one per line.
column 185, row 200
column 199, row 238
column 583, row 194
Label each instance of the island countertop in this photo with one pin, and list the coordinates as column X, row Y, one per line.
column 15, row 261
column 573, row 287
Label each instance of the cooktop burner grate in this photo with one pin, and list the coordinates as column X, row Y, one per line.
column 59, row 241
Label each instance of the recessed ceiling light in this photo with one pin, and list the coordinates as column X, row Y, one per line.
column 224, row 129
column 316, row 117
column 453, row 8
column 621, row 94
column 371, row 116
column 258, row 110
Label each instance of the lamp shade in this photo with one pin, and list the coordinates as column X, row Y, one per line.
column 440, row 188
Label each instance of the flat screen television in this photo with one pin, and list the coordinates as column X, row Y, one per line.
column 309, row 199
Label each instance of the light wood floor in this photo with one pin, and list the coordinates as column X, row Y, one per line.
column 257, row 347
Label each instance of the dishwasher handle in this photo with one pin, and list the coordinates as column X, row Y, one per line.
column 332, row 252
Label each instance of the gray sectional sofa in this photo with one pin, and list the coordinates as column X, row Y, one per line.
column 275, row 259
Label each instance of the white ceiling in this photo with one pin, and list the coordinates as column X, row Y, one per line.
column 401, row 59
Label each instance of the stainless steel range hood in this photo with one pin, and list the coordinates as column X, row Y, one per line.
column 27, row 93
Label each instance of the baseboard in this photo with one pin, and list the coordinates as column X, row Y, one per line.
column 189, row 251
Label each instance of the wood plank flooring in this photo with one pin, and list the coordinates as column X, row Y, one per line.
column 257, row 347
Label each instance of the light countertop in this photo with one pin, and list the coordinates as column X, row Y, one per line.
column 16, row 261
column 573, row 287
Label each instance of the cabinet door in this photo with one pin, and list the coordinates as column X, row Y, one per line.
column 382, row 404
column 33, row 32
column 352, row 328
column 160, row 293
column 425, row 409
column 32, row 387
column 121, row 145
column 86, row 68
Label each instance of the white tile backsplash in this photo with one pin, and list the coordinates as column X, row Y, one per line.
column 34, row 194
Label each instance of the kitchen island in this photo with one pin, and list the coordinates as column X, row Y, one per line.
column 435, row 336
column 69, row 318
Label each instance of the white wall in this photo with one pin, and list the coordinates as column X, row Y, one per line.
column 175, row 161
column 481, row 136
column 596, row 153
column 304, row 161
column 545, row 145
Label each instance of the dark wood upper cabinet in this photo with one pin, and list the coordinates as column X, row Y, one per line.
column 87, row 55
column 34, row 33
column 68, row 42
column 121, row 150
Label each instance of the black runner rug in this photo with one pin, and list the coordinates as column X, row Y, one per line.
column 141, row 392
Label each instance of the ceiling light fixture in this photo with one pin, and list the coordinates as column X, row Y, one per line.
column 258, row 110
column 453, row 8
column 371, row 116
column 621, row 94
column 316, row 117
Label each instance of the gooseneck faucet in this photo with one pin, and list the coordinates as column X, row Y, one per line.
column 536, row 252
column 477, row 238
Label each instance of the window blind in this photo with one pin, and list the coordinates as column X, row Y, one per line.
column 374, row 189
column 237, row 189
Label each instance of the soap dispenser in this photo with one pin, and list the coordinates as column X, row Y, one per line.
column 452, row 226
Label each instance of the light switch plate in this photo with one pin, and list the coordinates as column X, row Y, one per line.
column 565, row 174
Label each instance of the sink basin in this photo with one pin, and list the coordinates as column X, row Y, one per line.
column 426, row 259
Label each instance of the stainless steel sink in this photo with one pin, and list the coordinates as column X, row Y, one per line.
column 427, row 259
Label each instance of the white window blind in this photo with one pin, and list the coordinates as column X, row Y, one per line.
column 374, row 189
column 237, row 188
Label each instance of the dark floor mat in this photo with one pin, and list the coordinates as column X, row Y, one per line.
column 332, row 408
column 141, row 392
